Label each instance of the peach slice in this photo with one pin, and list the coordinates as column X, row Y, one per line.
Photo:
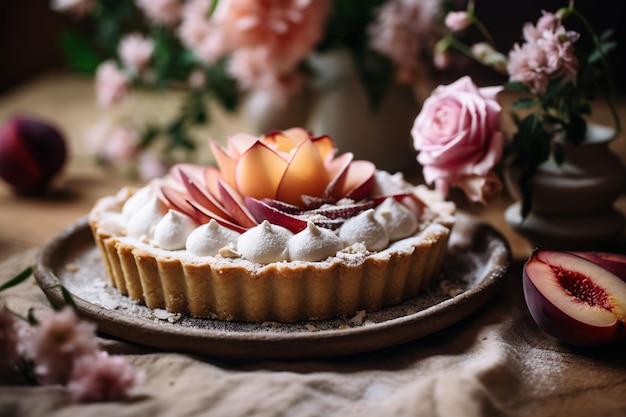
column 574, row 299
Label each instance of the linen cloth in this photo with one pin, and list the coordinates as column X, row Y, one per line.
column 496, row 362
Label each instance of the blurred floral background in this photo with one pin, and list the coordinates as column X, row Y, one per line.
column 204, row 53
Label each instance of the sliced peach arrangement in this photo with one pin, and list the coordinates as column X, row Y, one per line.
column 577, row 297
column 287, row 177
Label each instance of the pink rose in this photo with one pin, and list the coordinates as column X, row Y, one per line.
column 458, row 137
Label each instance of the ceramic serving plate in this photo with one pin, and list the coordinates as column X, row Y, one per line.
column 476, row 264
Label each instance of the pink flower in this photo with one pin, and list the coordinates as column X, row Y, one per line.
column 201, row 33
column 287, row 30
column 135, row 51
column 548, row 53
column 481, row 189
column 56, row 343
column 250, row 68
column 164, row 12
column 100, row 377
column 547, row 22
column 457, row 134
column 456, row 21
column 111, row 84
column 117, row 143
column 78, row 7
column 401, row 29
column 9, row 356
column 150, row 166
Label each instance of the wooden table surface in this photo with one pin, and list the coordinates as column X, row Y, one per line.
column 68, row 101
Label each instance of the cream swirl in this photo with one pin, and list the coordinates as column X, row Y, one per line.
column 172, row 230
column 264, row 243
column 364, row 228
column 313, row 244
column 399, row 221
column 137, row 201
column 209, row 238
column 141, row 225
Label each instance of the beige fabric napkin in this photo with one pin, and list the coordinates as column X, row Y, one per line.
column 494, row 363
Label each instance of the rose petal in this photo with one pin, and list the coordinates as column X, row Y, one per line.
column 305, row 175
column 325, row 147
column 179, row 201
column 279, row 142
column 259, row 172
column 263, row 211
column 202, row 211
column 200, row 193
column 235, row 205
column 239, row 143
column 359, row 179
column 224, row 161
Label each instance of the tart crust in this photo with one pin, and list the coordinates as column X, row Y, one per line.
column 236, row 289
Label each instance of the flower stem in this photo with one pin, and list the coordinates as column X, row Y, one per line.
column 605, row 66
column 480, row 26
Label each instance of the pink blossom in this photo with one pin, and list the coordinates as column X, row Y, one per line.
column 457, row 134
column 113, row 143
column 9, row 356
column 56, row 343
column 401, row 29
column 456, row 21
column 135, row 51
column 548, row 53
column 287, row 30
column 251, row 67
column 197, row 79
column 164, row 12
column 150, row 166
column 482, row 189
column 111, row 84
column 100, row 377
column 78, row 7
column 486, row 54
column 547, row 22
column 201, row 33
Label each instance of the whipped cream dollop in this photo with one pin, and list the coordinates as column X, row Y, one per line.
column 172, row 230
column 137, row 201
column 265, row 243
column 314, row 244
column 364, row 228
column 210, row 238
column 399, row 221
column 142, row 223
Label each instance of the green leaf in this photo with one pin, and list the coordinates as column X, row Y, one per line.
column 516, row 86
column 79, row 53
column 18, row 279
column 523, row 103
column 67, row 297
column 223, row 87
column 605, row 47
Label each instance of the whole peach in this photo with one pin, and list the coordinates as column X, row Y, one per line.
column 32, row 152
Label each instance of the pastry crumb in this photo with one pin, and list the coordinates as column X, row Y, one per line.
column 358, row 319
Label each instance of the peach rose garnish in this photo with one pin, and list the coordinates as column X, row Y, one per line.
column 282, row 176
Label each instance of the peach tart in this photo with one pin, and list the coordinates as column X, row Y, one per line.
column 283, row 229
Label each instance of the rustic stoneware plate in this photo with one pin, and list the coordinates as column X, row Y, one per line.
column 476, row 265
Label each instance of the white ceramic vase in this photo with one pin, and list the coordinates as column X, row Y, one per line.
column 342, row 110
column 572, row 203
